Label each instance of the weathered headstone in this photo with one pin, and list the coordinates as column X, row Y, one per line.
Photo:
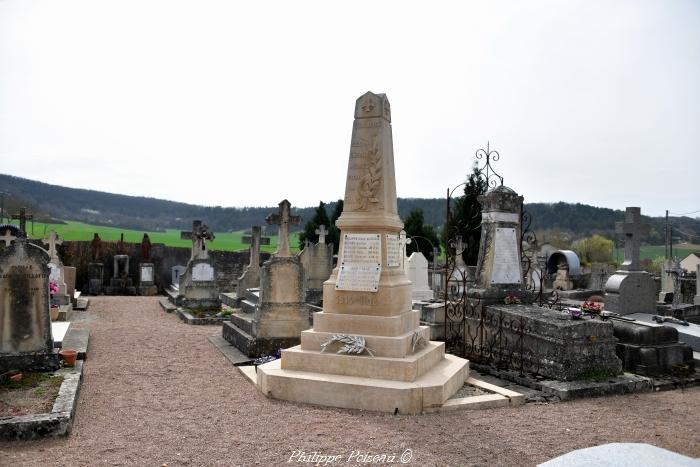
column 251, row 274
column 499, row 270
column 666, row 293
column 197, row 287
column 95, row 267
column 61, row 296
column 631, row 289
column 367, row 301
column 317, row 260
column 25, row 323
column 418, row 275
column 280, row 313
column 147, row 285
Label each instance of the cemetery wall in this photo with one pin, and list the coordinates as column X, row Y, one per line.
column 228, row 265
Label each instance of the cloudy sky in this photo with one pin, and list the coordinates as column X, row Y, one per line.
column 246, row 103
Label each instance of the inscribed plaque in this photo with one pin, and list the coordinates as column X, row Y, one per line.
column 393, row 251
column 360, row 263
column 202, row 272
column 506, row 261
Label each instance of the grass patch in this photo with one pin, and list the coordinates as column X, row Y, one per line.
column 79, row 231
column 35, row 393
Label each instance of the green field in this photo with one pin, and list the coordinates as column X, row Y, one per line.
column 77, row 231
column 657, row 251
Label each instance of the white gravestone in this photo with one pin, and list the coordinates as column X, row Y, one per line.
column 418, row 274
column 147, row 273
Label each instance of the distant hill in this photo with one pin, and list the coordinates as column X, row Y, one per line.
column 140, row 213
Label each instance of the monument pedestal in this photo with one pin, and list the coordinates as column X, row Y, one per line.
column 277, row 320
column 366, row 349
column 198, row 290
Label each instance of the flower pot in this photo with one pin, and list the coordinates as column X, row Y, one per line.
column 17, row 377
column 68, row 356
column 54, row 313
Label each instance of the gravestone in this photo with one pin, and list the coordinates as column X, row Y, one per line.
column 367, row 302
column 69, row 273
column 499, row 269
column 279, row 313
column 95, row 266
column 147, row 285
column 197, row 288
column 621, row 455
column 57, row 275
column 250, row 278
column 317, row 260
column 666, row 293
column 418, row 275
column 631, row 289
column 25, row 323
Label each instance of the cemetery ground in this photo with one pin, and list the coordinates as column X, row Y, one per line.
column 156, row 392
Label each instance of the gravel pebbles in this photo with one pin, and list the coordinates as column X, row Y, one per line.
column 156, row 392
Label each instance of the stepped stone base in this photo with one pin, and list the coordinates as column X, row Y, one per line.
column 29, row 361
column 254, row 347
column 429, row 391
column 147, row 290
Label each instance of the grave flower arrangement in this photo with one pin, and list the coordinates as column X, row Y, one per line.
column 53, row 288
column 592, row 307
column 511, row 300
column 575, row 313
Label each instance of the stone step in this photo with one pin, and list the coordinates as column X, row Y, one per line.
column 247, row 306
column 229, row 299
column 172, row 294
column 237, row 337
column 252, row 294
column 244, row 321
column 77, row 339
column 397, row 369
column 428, row 392
column 81, row 304
column 366, row 325
column 166, row 305
column 381, row 346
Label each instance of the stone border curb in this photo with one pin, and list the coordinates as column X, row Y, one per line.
column 188, row 318
column 56, row 423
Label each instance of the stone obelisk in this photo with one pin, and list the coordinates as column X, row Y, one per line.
column 366, row 349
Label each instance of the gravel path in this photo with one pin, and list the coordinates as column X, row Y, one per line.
column 157, row 392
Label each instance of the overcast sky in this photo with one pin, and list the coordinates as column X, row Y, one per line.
column 246, row 103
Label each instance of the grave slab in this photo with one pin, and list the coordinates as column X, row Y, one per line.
column 622, row 455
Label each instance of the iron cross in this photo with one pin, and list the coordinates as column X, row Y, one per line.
column 23, row 218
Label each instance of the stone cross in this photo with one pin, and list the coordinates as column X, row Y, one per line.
column 633, row 230
column 23, row 218
column 459, row 248
column 7, row 237
column 321, row 232
column 283, row 218
column 255, row 240
column 199, row 235
column 51, row 242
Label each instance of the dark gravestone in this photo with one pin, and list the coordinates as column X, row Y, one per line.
column 25, row 324
column 651, row 349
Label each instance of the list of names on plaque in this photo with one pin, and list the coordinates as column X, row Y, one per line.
column 506, row 261
column 360, row 263
column 393, row 251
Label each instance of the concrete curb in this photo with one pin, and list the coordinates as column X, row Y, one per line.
column 56, row 423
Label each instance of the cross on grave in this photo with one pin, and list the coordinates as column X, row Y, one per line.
column 283, row 219
column 51, row 242
column 633, row 230
column 7, row 237
column 199, row 235
column 255, row 240
column 321, row 232
column 23, row 218
column 675, row 272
